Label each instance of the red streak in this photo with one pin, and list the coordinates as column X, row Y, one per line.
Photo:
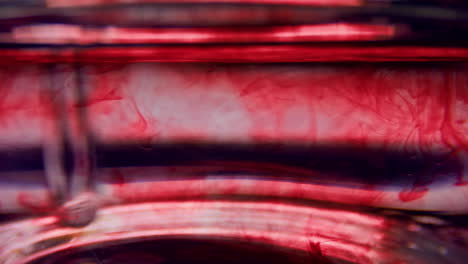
column 205, row 187
column 237, row 54
column 62, row 34
column 68, row 3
